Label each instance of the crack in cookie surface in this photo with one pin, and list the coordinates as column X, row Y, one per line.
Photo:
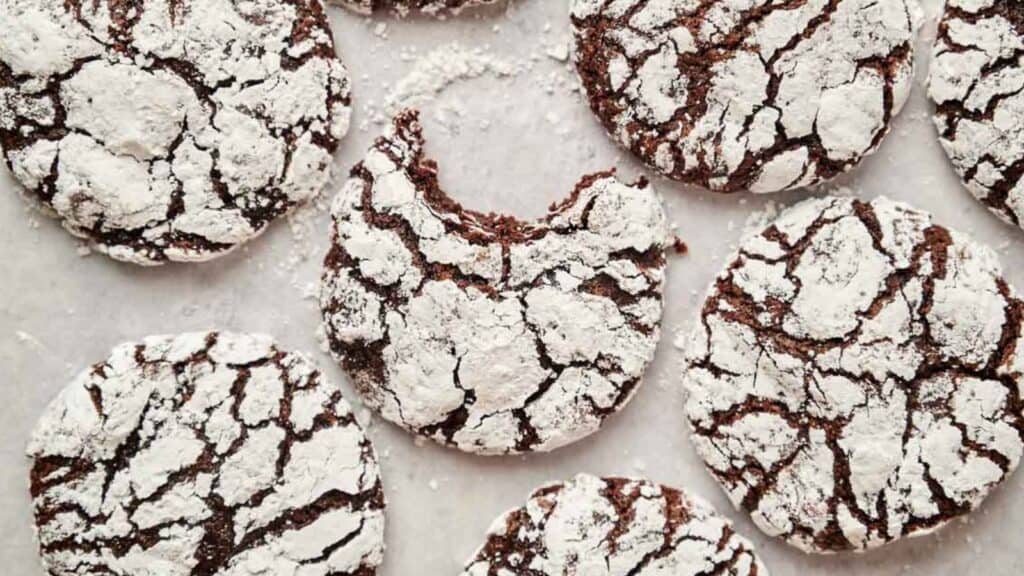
column 749, row 95
column 854, row 377
column 405, row 7
column 613, row 527
column 205, row 454
column 976, row 82
column 169, row 130
column 481, row 331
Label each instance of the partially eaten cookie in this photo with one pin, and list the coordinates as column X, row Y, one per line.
column 481, row 331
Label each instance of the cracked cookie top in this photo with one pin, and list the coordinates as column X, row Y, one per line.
column 404, row 7
column 748, row 95
column 480, row 331
column 613, row 527
column 854, row 377
column 976, row 82
column 205, row 454
column 169, row 129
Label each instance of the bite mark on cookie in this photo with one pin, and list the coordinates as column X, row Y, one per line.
column 481, row 331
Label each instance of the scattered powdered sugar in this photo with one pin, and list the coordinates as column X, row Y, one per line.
column 439, row 69
column 559, row 50
column 205, row 453
column 758, row 220
column 480, row 331
column 31, row 342
column 613, row 527
column 977, row 84
column 747, row 95
column 302, row 223
column 681, row 339
column 854, row 375
column 164, row 133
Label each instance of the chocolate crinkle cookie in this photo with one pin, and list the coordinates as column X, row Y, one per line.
column 854, row 377
column 169, row 130
column 480, row 331
column 760, row 96
column 205, row 454
column 405, row 7
column 976, row 82
column 613, row 527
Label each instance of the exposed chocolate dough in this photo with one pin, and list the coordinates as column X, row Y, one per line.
column 855, row 375
column 205, row 454
column 976, row 80
column 613, row 527
column 760, row 96
column 169, row 129
column 404, row 7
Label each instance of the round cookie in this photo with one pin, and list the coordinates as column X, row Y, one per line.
column 855, row 375
column 613, row 527
column 169, row 130
column 749, row 95
column 201, row 454
column 480, row 331
column 976, row 79
column 404, row 7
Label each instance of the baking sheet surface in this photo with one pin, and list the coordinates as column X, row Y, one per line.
column 512, row 135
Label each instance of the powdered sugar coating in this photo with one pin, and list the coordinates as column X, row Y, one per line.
column 855, row 376
column 976, row 79
column 165, row 130
column 747, row 95
column 480, row 331
column 203, row 454
column 404, row 7
column 613, row 527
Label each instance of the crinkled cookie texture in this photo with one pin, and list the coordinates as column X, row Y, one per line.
column 169, row 129
column 404, row 7
column 613, row 527
column 749, row 94
column 976, row 82
column 205, row 454
column 480, row 331
column 854, row 377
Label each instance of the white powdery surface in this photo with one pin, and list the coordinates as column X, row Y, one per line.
column 976, row 82
column 439, row 69
column 613, row 527
column 854, row 377
column 169, row 131
column 480, row 331
column 747, row 94
column 438, row 8
column 205, row 454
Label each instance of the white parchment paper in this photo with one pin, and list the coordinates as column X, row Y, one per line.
column 510, row 139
